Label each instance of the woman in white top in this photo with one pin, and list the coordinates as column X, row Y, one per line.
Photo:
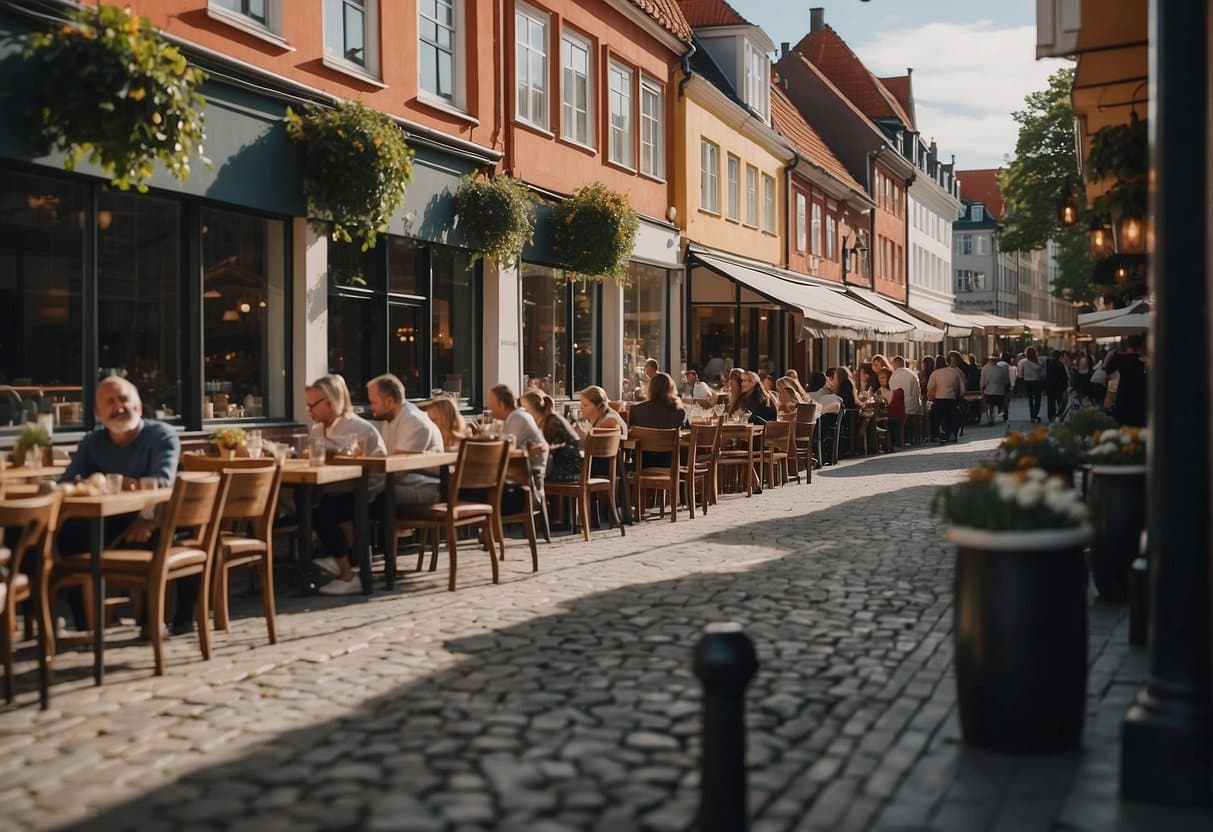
column 1033, row 379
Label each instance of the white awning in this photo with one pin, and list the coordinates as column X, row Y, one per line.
column 954, row 325
column 922, row 331
column 995, row 324
column 827, row 312
column 1133, row 319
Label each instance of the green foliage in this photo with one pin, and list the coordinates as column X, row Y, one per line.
column 1019, row 501
column 497, row 217
column 595, row 232
column 1119, row 446
column 1045, row 165
column 230, row 438
column 31, row 436
column 109, row 88
column 356, row 166
column 1086, row 423
column 1056, row 451
column 1122, row 152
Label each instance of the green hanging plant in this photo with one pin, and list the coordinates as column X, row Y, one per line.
column 497, row 217
column 594, row 233
column 1122, row 151
column 356, row 166
column 109, row 88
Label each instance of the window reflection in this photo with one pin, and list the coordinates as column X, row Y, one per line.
column 453, row 320
column 544, row 329
column 644, row 319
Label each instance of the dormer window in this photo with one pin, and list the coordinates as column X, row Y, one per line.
column 757, row 89
column 979, row 213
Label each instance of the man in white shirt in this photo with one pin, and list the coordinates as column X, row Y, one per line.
column 405, row 429
column 906, row 380
column 995, row 384
column 696, row 390
column 527, row 436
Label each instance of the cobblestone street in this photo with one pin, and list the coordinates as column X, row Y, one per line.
column 564, row 700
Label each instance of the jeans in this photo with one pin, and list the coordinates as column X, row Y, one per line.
column 1055, row 403
column 1033, row 388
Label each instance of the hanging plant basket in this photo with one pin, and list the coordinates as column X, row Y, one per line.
column 594, row 233
column 109, row 88
column 497, row 217
column 356, row 165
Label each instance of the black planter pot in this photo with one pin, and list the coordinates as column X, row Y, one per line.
column 1118, row 515
column 1020, row 630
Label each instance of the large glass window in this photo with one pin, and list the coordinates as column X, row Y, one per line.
column 709, row 176
column 436, row 48
column 531, row 65
column 356, row 314
column 560, row 331
column 252, row 9
column 652, row 137
column 41, row 325
column 576, row 89
column 768, row 201
column 751, row 195
column 734, row 174
column 621, row 115
column 815, row 229
column 645, row 303
column 730, row 325
column 138, row 300
column 453, row 322
column 346, row 34
column 801, row 222
column 831, row 237
column 244, row 310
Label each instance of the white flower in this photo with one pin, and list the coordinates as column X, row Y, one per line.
column 1059, row 502
column 1109, row 435
column 1037, row 475
column 1029, row 494
column 1078, row 512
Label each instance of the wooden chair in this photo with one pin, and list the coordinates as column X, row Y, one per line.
column 777, row 452
column 37, row 518
column 518, row 474
column 599, row 444
column 252, row 500
column 802, row 441
column 197, row 504
column 480, row 467
column 738, row 451
column 651, row 478
column 699, row 472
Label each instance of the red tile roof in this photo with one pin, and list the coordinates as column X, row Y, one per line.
column 902, row 90
column 982, row 186
column 862, row 118
column 806, row 140
column 711, row 13
column 826, row 50
column 667, row 13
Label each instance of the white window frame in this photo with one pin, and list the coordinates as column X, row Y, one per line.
column 568, row 109
column 734, row 177
column 616, row 93
column 979, row 213
column 531, row 92
column 831, row 236
column 802, row 222
column 815, row 228
column 751, row 196
column 458, row 53
column 709, row 176
column 979, row 244
column 270, row 30
column 370, row 38
column 757, row 86
column 652, row 152
column 770, row 204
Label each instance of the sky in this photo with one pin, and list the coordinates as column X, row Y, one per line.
column 974, row 61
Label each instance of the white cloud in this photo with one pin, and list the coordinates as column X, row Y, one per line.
column 968, row 78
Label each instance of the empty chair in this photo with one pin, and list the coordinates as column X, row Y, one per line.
column 599, row 445
column 37, row 519
column 777, row 451
column 652, row 477
column 252, row 500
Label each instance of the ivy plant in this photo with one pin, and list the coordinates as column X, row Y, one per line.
column 356, row 166
column 594, row 233
column 108, row 87
column 497, row 217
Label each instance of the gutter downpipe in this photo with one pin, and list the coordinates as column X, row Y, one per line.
column 687, row 75
column 787, row 232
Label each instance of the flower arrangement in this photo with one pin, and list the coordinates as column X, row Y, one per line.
column 497, row 217
column 356, row 167
column 1119, row 446
column 110, row 88
column 1004, row 501
column 594, row 232
column 228, row 438
column 1084, row 425
column 1054, row 450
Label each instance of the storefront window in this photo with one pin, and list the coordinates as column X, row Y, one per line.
column 41, row 330
column 560, row 331
column 732, row 325
column 243, row 312
column 585, row 336
column 353, row 352
column 453, row 319
column 645, row 301
column 406, row 346
column 138, row 300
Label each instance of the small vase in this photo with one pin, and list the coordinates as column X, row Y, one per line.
column 1020, row 632
column 1118, row 515
column 226, row 452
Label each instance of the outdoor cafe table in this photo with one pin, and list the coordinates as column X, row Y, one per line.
column 306, row 479
column 94, row 510
column 19, row 473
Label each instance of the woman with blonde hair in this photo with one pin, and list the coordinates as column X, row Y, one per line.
column 564, row 458
column 596, row 409
column 450, row 422
column 879, row 362
column 788, row 397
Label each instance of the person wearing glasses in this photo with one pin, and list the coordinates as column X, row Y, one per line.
column 328, row 402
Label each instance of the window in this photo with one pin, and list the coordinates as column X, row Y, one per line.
column 621, row 115
column 979, row 213
column 751, row 195
column 531, row 65
column 831, row 237
column 255, row 10
column 768, row 203
column 645, row 304
column 350, row 33
column 801, row 223
column 757, row 80
column 576, row 89
column 879, row 189
column 981, row 243
column 437, row 49
column 734, row 188
column 964, row 245
column 709, row 182
column 815, row 229
column 652, row 138
column 560, row 333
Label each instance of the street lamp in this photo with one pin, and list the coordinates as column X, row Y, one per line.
column 1100, row 236
column 1067, row 207
column 1130, row 234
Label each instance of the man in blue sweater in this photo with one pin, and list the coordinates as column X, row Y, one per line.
column 126, row 443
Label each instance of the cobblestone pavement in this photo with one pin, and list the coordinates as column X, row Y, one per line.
column 564, row 700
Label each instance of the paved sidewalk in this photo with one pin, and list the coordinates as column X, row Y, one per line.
column 564, row 700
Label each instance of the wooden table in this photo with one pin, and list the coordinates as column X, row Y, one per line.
column 94, row 510
column 19, row 473
column 306, row 479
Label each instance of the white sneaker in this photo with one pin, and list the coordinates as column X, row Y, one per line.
column 340, row 587
column 328, row 566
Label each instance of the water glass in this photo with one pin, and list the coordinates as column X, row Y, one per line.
column 113, row 483
column 148, row 483
column 253, row 442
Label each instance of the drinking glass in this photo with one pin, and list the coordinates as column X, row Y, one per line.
column 301, row 446
column 253, row 442
column 113, row 483
column 148, row 483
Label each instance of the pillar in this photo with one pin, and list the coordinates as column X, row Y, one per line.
column 310, row 313
column 502, row 347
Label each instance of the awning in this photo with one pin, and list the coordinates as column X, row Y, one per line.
column 922, row 331
column 954, row 325
column 1133, row 319
column 827, row 312
column 995, row 324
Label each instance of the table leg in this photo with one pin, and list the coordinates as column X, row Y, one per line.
column 388, row 522
column 362, row 543
column 96, row 530
column 626, row 515
column 303, row 510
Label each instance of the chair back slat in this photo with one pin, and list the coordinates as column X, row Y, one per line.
column 806, row 412
column 38, row 518
column 481, row 464
column 253, row 495
column 776, row 435
column 602, row 444
column 655, row 440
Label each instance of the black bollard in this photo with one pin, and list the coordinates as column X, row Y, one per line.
column 725, row 663
column 1139, row 602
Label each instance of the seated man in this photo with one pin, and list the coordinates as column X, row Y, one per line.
column 125, row 443
column 697, row 391
column 405, row 429
column 527, row 435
